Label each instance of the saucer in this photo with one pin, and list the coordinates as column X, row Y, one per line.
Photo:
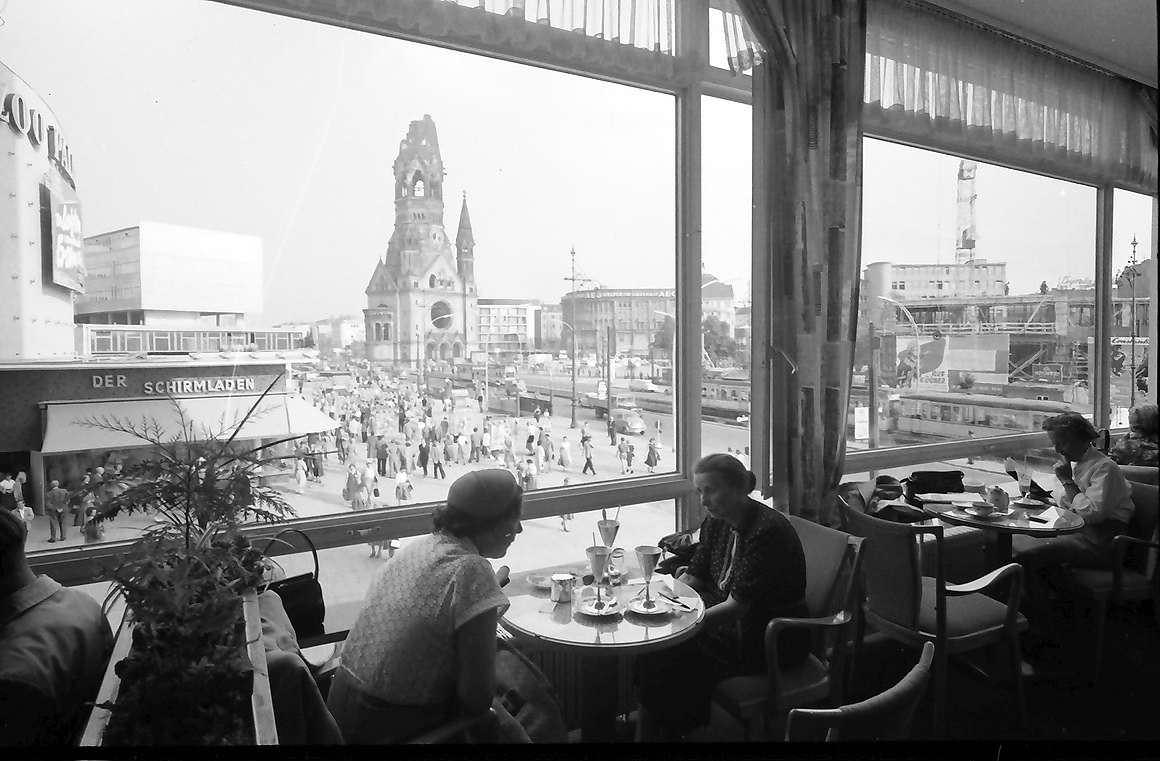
column 540, row 581
column 659, row 607
column 588, row 607
column 974, row 512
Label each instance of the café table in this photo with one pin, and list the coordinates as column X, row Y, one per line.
column 535, row 620
column 1021, row 520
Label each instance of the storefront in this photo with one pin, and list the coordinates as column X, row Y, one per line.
column 62, row 418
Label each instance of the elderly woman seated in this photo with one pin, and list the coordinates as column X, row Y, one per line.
column 1094, row 488
column 749, row 568
column 423, row 649
column 1141, row 447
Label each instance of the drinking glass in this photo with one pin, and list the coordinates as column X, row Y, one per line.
column 1024, row 479
column 608, row 529
column 647, row 557
column 598, row 564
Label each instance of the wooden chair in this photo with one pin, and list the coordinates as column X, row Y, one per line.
column 833, row 563
column 886, row 716
column 914, row 609
column 1133, row 576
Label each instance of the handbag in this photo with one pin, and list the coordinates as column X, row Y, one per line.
column 302, row 594
column 933, row 481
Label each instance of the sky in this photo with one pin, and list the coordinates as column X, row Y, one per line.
column 202, row 114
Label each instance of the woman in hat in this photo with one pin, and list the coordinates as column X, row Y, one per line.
column 422, row 650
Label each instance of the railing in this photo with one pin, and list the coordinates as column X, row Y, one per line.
column 102, row 340
column 969, row 328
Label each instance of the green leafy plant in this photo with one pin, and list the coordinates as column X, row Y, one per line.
column 187, row 680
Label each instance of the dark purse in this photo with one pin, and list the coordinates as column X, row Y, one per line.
column 302, row 594
column 933, row 482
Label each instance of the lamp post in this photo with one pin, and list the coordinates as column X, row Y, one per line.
column 572, row 330
column 1131, row 275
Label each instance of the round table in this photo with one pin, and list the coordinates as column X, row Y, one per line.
column 1003, row 528
column 598, row 640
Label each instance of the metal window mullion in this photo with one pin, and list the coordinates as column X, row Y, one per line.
column 1100, row 380
column 693, row 38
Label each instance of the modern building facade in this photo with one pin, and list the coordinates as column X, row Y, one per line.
column 552, row 332
column 717, row 301
column 509, row 327
column 935, row 281
column 131, row 278
column 421, row 298
column 41, row 261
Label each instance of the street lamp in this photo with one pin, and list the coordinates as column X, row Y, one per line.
column 913, row 324
column 1131, row 274
column 572, row 330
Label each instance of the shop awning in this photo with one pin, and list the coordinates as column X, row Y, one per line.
column 71, row 424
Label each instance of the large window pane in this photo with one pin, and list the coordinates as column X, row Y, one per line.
column 457, row 226
column 977, row 313
column 1133, row 288
column 726, row 213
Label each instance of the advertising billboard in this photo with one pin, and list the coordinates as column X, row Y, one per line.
column 961, row 360
column 64, row 244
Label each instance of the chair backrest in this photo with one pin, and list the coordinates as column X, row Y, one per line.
column 1144, row 518
column 891, row 566
column 886, row 716
column 825, row 553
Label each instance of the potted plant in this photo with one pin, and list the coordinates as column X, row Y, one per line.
column 192, row 633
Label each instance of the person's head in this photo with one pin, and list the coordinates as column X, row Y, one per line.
column 14, row 570
column 22, row 477
column 1071, row 434
column 724, row 484
column 54, row 484
column 1145, row 420
column 483, row 506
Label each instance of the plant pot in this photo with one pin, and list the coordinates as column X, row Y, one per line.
column 261, row 703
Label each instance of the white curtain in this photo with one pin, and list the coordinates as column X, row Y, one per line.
column 939, row 81
column 742, row 51
column 645, row 24
column 934, row 75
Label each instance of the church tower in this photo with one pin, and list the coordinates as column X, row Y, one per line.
column 420, row 306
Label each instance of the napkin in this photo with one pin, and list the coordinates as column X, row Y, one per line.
column 1051, row 515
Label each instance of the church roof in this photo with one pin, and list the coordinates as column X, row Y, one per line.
column 464, row 237
column 421, row 144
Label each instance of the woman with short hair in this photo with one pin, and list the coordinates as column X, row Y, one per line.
column 749, row 568
column 1093, row 488
column 422, row 650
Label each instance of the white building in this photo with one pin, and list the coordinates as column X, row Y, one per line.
column 131, row 277
column 907, row 282
column 508, row 326
column 38, row 274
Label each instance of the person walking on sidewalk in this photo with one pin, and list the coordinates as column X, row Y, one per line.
column 436, row 457
column 586, row 445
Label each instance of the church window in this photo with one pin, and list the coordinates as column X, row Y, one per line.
column 432, row 281
column 419, row 186
column 390, row 321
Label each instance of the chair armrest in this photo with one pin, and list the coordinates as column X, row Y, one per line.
column 453, row 728
column 987, row 581
column 823, row 622
column 1121, row 539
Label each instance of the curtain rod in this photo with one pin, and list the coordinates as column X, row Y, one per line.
column 962, row 18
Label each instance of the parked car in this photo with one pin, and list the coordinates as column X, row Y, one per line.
column 627, row 421
column 643, row 384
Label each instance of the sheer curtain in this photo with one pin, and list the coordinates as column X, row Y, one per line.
column 947, row 83
column 646, row 24
column 807, row 195
column 937, row 77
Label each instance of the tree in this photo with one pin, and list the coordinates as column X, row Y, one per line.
column 718, row 343
column 663, row 338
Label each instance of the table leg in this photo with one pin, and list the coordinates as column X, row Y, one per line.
column 599, row 685
column 999, row 550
